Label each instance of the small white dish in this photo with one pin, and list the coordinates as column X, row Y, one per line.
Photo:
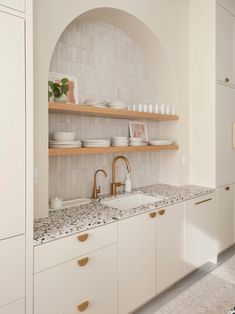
column 161, row 142
column 138, row 144
column 63, row 136
column 135, row 140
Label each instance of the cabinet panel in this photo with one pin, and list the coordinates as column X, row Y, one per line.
column 12, row 126
column 224, row 45
column 12, row 269
column 103, row 302
column 63, row 285
column 136, row 261
column 18, row 5
column 200, row 216
column 225, row 153
column 224, row 218
column 170, row 246
column 13, row 308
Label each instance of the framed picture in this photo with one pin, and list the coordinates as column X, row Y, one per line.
column 72, row 95
column 138, row 129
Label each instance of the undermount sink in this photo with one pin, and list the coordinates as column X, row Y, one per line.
column 131, row 201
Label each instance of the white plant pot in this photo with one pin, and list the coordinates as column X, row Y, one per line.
column 61, row 99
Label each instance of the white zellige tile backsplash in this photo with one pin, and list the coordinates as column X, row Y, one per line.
column 108, row 65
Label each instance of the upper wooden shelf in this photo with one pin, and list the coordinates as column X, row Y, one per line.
column 104, row 150
column 109, row 113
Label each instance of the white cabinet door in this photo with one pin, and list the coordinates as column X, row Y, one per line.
column 12, row 269
column 169, row 246
column 224, row 45
column 12, row 126
column 15, row 307
column 224, row 218
column 18, row 5
column 136, row 261
column 225, row 153
column 200, row 216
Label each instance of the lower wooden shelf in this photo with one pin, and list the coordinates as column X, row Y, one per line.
column 105, row 150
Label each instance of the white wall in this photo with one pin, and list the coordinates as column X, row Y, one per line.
column 202, row 93
column 166, row 46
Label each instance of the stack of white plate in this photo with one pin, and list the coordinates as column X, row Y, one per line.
column 117, row 105
column 96, row 143
column 161, row 142
column 95, row 103
column 120, row 141
column 64, row 140
column 136, row 141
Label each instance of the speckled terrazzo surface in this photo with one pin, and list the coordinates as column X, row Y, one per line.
column 63, row 222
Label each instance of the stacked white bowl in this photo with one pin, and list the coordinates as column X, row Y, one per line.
column 136, row 141
column 119, row 141
column 64, row 140
column 96, row 143
column 96, row 102
column 117, row 104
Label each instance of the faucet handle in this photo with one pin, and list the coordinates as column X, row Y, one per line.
column 98, row 190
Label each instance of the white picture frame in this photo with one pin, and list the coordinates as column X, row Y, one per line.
column 138, row 129
column 53, row 76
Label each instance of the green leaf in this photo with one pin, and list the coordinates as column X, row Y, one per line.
column 64, row 89
column 64, row 81
column 57, row 92
column 51, row 84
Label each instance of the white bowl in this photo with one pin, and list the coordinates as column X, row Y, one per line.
column 63, row 136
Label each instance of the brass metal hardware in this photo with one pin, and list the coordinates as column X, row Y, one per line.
column 83, row 261
column 97, row 191
column 161, row 212
column 153, row 214
column 227, row 188
column 83, row 306
column 227, row 80
column 207, row 200
column 115, row 184
column 83, row 237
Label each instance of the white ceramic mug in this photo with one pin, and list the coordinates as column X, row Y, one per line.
column 156, row 108
column 168, row 109
column 56, row 203
column 150, row 108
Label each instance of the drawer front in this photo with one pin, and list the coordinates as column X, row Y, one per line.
column 15, row 307
column 63, row 285
column 12, row 269
column 56, row 252
column 103, row 302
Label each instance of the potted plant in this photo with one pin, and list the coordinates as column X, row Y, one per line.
column 58, row 90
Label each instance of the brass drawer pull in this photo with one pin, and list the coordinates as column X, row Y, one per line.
column 83, row 261
column 83, row 306
column 153, row 214
column 83, row 237
column 227, row 188
column 161, row 212
column 227, row 79
column 207, row 200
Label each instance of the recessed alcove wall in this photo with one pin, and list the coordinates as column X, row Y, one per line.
column 108, row 65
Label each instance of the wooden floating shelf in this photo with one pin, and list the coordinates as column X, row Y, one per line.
column 104, row 150
column 109, row 113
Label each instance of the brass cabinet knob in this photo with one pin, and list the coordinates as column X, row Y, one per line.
column 161, row 212
column 83, row 237
column 227, row 188
column 227, row 80
column 83, row 306
column 83, row 261
column 153, row 214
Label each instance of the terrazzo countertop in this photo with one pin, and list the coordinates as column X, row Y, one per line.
column 64, row 222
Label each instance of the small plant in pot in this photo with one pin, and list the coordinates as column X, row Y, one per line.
column 58, row 90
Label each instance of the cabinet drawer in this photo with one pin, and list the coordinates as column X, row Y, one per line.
column 65, row 249
column 63, row 285
column 12, row 269
column 15, row 307
column 103, row 302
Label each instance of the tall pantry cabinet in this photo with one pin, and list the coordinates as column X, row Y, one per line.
column 14, row 179
column 225, row 117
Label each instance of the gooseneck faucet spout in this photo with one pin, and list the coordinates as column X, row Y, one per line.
column 115, row 184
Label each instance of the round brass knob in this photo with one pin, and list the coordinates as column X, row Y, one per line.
column 161, row 212
column 83, row 237
column 153, row 214
column 227, row 80
column 83, row 306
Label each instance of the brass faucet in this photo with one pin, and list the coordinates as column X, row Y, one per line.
column 97, row 191
column 114, row 184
